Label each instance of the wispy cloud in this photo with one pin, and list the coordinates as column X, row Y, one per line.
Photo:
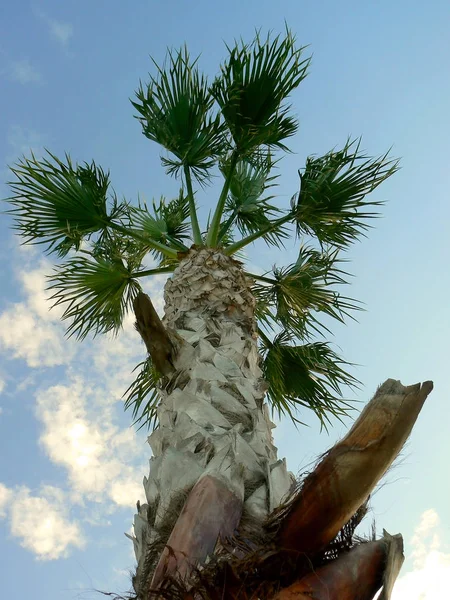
column 60, row 31
column 25, row 336
column 24, row 72
column 425, row 538
column 77, row 410
column 41, row 522
column 30, row 330
column 431, row 572
column 5, row 497
column 23, row 140
column 79, row 435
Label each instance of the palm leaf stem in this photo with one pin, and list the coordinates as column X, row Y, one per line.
column 192, row 209
column 233, row 248
column 214, row 229
column 157, row 271
column 166, row 250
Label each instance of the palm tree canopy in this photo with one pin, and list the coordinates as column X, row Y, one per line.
column 238, row 123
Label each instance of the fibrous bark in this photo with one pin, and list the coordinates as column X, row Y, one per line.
column 357, row 575
column 348, row 473
column 213, row 423
column 159, row 341
column 214, row 473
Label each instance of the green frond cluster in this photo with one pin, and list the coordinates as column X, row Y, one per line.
column 167, row 223
column 142, row 396
column 291, row 303
column 174, row 109
column 95, row 294
column 294, row 296
column 59, row 204
column 252, row 89
column 331, row 204
column 237, row 126
column 308, row 375
column 247, row 207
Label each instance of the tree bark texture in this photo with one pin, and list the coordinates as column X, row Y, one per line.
column 214, row 472
column 348, row 473
column 214, row 429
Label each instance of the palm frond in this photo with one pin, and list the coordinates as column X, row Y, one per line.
column 142, row 397
column 247, row 207
column 58, row 203
column 112, row 246
column 167, row 224
column 310, row 376
column 95, row 294
column 331, row 204
column 254, row 84
column 174, row 110
column 293, row 295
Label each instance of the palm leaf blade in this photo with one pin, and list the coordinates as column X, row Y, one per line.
column 331, row 204
column 175, row 111
column 254, row 83
column 309, row 375
column 142, row 396
column 58, row 203
column 95, row 294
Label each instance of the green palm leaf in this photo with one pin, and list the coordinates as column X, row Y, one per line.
column 246, row 207
column 142, row 396
column 331, row 204
column 58, row 203
column 167, row 224
column 295, row 295
column 95, row 294
column 309, row 376
column 254, row 83
column 114, row 247
column 175, row 111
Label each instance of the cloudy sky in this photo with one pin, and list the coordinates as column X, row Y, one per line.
column 70, row 465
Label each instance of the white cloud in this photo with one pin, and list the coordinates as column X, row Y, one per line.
column 34, row 283
column 77, row 413
column 5, row 497
column 425, row 537
column 29, row 330
column 98, row 456
column 2, row 384
column 24, row 72
column 27, row 337
column 431, row 571
column 62, row 32
column 41, row 523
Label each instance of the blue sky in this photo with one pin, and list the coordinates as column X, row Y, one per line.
column 70, row 467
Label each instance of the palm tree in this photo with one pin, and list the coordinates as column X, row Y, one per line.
column 224, row 517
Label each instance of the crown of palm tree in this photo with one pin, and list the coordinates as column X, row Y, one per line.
column 236, row 123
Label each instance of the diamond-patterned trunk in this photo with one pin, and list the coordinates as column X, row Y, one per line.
column 212, row 416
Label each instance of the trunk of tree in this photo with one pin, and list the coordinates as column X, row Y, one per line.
column 214, row 428
column 214, row 473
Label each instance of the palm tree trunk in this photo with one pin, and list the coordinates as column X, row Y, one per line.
column 214, row 429
column 214, row 472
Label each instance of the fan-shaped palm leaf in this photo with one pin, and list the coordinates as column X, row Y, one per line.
column 310, row 376
column 246, row 207
column 175, row 111
column 95, row 294
column 254, row 83
column 331, row 204
column 167, row 225
column 58, row 203
column 293, row 294
column 142, row 396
